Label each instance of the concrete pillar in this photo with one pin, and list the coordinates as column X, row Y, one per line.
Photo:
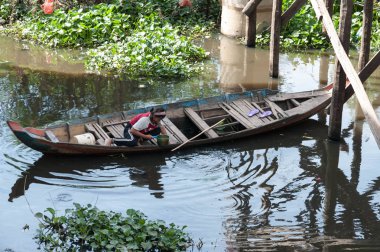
column 234, row 22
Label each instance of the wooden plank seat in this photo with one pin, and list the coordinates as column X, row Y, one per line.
column 175, row 135
column 116, row 128
column 280, row 113
column 98, row 132
column 257, row 106
column 245, row 108
column 199, row 122
column 236, row 115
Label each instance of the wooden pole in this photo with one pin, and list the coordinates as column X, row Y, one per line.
column 369, row 112
column 330, row 7
column 365, row 46
column 337, row 99
column 364, row 74
column 366, row 34
column 251, row 30
column 274, row 50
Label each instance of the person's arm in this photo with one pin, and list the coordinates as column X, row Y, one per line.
column 163, row 130
column 139, row 134
column 140, row 125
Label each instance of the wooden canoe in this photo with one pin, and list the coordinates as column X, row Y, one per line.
column 184, row 120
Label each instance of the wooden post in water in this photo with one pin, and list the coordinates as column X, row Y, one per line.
column 274, row 50
column 250, row 10
column 330, row 7
column 337, row 99
column 366, row 34
column 365, row 46
column 251, row 30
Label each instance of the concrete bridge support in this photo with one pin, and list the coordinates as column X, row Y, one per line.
column 234, row 23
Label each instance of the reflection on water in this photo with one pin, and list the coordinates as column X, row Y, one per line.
column 287, row 189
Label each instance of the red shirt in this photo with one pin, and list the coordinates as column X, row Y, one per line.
column 144, row 116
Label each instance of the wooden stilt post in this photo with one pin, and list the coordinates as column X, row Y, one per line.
column 251, row 30
column 329, row 6
column 274, row 50
column 337, row 99
column 250, row 10
column 353, row 77
column 365, row 46
column 366, row 35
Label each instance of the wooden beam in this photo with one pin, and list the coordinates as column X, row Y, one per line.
column 365, row 46
column 274, row 50
column 250, row 7
column 251, row 30
column 293, row 9
column 337, row 99
column 321, row 11
column 364, row 74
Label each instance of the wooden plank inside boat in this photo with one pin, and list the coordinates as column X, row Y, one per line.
column 199, row 122
column 175, row 135
column 236, row 115
column 115, row 128
column 266, row 119
column 97, row 130
column 245, row 109
column 280, row 113
column 50, row 135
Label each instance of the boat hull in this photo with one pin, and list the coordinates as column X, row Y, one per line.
column 37, row 140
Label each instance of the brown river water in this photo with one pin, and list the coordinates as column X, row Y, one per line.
column 287, row 189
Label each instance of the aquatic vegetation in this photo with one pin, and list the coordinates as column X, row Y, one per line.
column 87, row 228
column 133, row 39
column 152, row 49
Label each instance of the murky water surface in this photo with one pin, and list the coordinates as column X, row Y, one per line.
column 253, row 193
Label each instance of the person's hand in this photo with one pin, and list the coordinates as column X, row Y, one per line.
column 149, row 137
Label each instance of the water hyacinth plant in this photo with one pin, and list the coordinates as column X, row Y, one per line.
column 152, row 49
column 132, row 38
column 86, row 228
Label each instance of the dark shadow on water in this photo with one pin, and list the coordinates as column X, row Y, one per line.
column 144, row 172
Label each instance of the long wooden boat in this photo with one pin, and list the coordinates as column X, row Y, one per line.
column 245, row 114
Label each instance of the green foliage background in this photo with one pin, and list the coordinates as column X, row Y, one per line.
column 137, row 38
column 305, row 32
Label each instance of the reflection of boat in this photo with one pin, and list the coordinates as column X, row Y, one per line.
column 85, row 172
column 243, row 114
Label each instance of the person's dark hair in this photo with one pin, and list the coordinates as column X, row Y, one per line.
column 159, row 111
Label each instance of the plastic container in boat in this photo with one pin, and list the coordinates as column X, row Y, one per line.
column 86, row 138
column 162, row 140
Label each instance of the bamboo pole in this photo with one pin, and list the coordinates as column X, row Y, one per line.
column 337, row 100
column 369, row 112
column 274, row 50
